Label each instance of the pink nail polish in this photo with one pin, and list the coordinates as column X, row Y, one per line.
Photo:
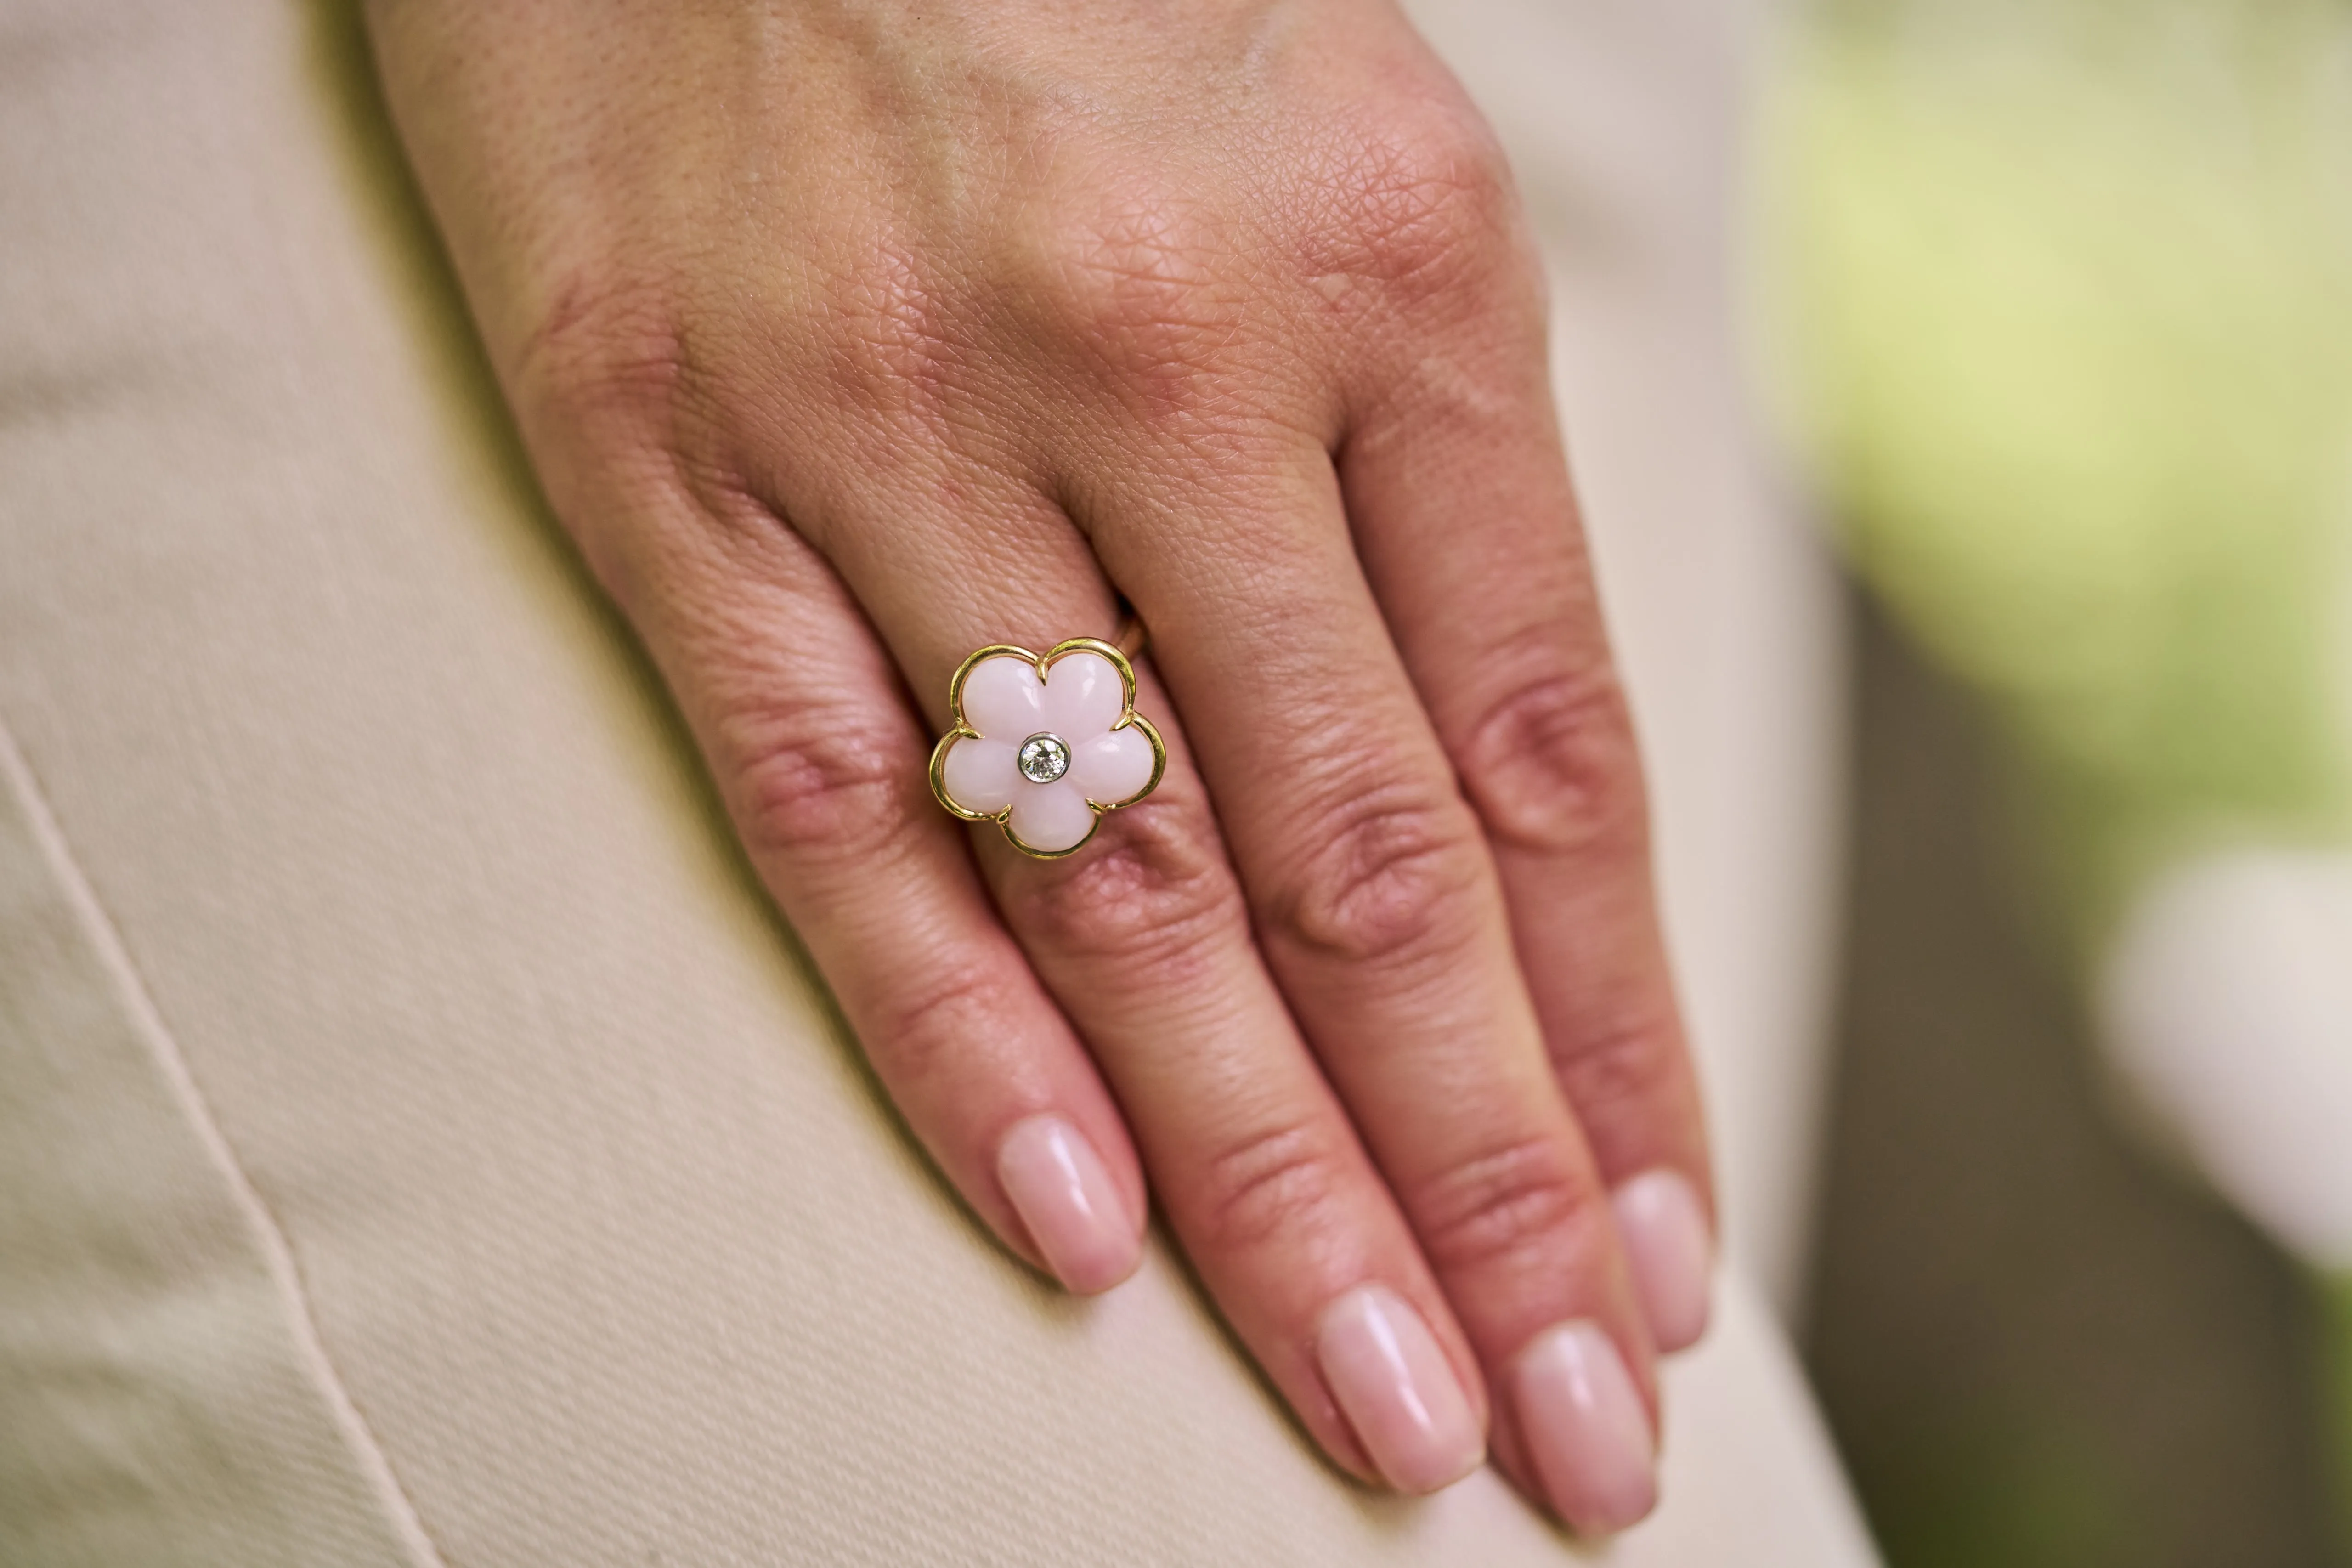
column 1398, row 1391
column 1069, row 1203
column 1586, row 1431
column 1672, row 1252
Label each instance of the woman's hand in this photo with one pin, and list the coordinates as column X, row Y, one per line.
column 851, row 335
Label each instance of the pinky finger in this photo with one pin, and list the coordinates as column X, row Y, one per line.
column 802, row 718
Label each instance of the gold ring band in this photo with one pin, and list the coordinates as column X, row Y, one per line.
column 1132, row 637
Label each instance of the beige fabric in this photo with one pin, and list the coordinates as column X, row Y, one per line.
column 421, row 1143
column 159, row 1372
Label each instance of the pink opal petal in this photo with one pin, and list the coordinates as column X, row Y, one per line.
column 1083, row 696
column 1052, row 817
column 1003, row 699
column 1112, row 769
column 981, row 775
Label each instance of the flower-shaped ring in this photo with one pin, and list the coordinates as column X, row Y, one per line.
column 1044, row 744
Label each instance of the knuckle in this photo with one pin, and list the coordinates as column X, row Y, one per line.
column 1552, row 765
column 1510, row 1204
column 602, row 345
column 1270, row 1188
column 1145, row 893
column 1629, row 1069
column 1386, row 873
column 1125, row 266
column 925, row 1023
column 813, row 784
column 1427, row 203
column 607, row 378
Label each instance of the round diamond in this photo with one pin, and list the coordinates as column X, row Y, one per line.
column 1044, row 758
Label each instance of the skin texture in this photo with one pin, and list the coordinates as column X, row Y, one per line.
column 848, row 336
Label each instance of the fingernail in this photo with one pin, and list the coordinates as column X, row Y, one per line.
column 1398, row 1391
column 1069, row 1203
column 1671, row 1251
column 1586, row 1429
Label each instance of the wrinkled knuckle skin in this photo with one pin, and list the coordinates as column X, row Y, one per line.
column 619, row 421
column 604, row 346
column 1629, row 1069
column 815, row 786
column 1385, row 875
column 1552, row 767
column 1426, row 205
column 924, row 1025
column 1143, row 894
column 1520, row 1204
column 1270, row 1190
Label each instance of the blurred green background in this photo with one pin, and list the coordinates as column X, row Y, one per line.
column 2038, row 1346
column 2058, row 297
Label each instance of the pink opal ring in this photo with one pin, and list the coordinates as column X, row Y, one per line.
column 1044, row 744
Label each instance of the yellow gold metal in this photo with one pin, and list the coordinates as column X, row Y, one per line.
column 1128, row 717
column 1132, row 637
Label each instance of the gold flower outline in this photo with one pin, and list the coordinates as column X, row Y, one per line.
column 963, row 729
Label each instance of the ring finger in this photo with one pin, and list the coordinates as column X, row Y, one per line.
column 1145, row 939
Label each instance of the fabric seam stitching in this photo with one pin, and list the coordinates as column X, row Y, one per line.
column 285, row 1270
